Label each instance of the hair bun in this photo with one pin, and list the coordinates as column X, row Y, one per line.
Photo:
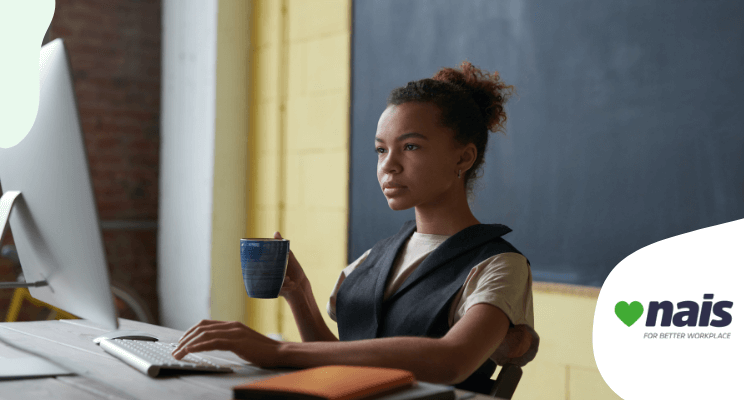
column 488, row 91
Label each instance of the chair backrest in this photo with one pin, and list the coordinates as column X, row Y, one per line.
column 510, row 374
column 506, row 382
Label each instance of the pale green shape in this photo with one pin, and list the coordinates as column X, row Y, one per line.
column 23, row 24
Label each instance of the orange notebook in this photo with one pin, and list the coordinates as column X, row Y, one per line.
column 331, row 382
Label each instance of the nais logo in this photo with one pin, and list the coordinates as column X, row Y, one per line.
column 647, row 331
column 687, row 314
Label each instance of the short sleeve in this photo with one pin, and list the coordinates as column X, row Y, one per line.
column 331, row 306
column 505, row 281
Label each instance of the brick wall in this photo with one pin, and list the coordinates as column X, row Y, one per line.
column 114, row 48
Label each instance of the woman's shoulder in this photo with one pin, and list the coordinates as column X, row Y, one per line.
column 508, row 258
column 499, row 246
column 503, row 264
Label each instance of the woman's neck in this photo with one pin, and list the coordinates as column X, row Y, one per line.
column 445, row 217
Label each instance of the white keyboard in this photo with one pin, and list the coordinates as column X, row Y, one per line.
column 151, row 357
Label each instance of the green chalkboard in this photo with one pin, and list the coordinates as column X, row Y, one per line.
column 628, row 126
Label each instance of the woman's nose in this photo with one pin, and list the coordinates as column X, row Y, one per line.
column 389, row 163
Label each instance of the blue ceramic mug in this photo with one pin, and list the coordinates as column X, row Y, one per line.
column 264, row 265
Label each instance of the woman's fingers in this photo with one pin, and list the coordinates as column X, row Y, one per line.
column 204, row 322
column 232, row 336
column 288, row 287
column 206, row 345
column 234, row 331
column 292, row 258
column 201, row 324
column 289, row 283
column 215, row 332
column 204, row 326
column 199, row 336
column 293, row 266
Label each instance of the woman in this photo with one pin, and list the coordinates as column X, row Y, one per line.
column 446, row 297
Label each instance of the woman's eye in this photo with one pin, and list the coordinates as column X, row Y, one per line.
column 408, row 146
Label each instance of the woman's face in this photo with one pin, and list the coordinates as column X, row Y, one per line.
column 417, row 158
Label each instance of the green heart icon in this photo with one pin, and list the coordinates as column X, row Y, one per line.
column 628, row 313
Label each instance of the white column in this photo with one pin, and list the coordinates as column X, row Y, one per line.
column 187, row 128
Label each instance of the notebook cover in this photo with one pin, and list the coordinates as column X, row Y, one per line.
column 331, row 382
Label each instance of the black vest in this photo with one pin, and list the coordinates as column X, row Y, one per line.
column 420, row 307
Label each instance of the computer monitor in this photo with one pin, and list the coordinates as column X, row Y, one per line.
column 54, row 219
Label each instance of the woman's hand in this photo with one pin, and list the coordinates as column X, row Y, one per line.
column 295, row 277
column 230, row 336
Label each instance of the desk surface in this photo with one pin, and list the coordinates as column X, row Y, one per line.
column 101, row 376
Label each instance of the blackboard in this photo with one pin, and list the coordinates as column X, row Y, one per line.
column 627, row 127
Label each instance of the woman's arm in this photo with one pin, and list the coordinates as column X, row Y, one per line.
column 429, row 359
column 298, row 293
column 448, row 360
column 307, row 316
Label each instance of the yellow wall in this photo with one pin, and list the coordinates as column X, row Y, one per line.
column 564, row 368
column 300, row 143
column 297, row 177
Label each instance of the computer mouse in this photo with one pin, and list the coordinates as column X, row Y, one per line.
column 131, row 335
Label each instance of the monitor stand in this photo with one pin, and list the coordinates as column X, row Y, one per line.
column 22, row 367
column 18, row 362
column 6, row 206
column 29, row 367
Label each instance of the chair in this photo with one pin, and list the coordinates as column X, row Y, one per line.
column 510, row 374
column 506, row 382
column 518, row 340
column 128, row 304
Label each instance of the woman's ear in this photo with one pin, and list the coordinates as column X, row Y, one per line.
column 467, row 157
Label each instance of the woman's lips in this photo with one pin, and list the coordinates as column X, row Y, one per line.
column 391, row 191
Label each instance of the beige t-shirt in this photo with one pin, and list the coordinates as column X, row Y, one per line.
column 504, row 280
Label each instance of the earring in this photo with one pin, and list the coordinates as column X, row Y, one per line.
column 458, row 173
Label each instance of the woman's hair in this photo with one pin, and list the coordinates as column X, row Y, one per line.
column 470, row 102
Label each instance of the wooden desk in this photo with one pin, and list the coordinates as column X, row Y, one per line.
column 101, row 376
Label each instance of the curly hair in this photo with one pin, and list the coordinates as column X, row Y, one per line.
column 470, row 102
